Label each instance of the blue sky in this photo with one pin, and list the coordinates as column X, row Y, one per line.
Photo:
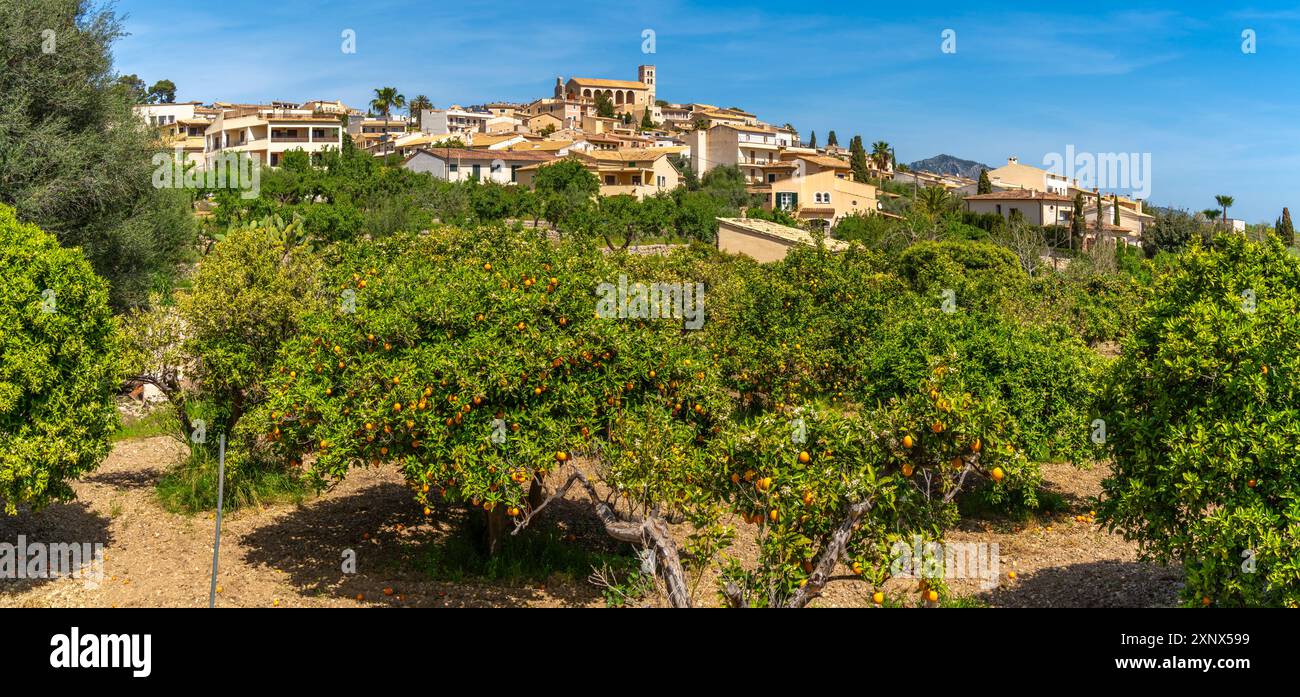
column 1167, row 79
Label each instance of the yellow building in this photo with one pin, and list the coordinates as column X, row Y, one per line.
column 764, row 240
column 639, row 172
column 814, row 187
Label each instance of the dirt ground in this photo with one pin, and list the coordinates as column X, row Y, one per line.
column 292, row 555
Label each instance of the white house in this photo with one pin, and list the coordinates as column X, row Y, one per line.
column 466, row 164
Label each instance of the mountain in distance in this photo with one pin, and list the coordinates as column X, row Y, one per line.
column 947, row 164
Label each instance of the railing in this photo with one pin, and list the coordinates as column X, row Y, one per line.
column 290, row 139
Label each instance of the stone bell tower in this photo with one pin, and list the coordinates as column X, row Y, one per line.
column 646, row 74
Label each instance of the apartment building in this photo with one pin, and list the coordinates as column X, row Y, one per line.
column 186, row 136
column 454, row 120
column 164, row 114
column 267, row 132
column 755, row 149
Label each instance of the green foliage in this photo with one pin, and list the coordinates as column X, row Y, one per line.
column 1284, row 229
column 58, row 370
column 191, row 486
column 1202, row 423
column 1172, row 230
column 74, row 159
column 727, row 184
column 566, row 189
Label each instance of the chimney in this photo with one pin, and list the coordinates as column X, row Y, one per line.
column 1013, row 160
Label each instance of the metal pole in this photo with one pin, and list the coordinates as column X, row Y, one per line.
column 216, row 546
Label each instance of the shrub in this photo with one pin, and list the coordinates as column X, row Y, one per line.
column 58, row 367
column 1201, row 419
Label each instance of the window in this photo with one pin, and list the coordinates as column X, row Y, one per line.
column 636, row 180
column 822, row 197
column 787, row 200
column 609, row 180
column 662, row 181
column 771, row 178
column 514, row 173
column 475, row 171
column 453, row 168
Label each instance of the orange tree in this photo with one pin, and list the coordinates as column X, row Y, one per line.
column 476, row 361
column 58, row 372
column 852, row 328
column 828, row 487
column 1201, row 419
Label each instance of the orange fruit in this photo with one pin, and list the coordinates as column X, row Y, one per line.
column 907, row 441
column 932, row 596
column 997, row 474
column 388, row 591
column 937, row 427
column 878, row 598
column 803, row 458
column 907, row 469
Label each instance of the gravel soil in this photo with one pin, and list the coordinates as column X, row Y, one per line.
column 293, row 555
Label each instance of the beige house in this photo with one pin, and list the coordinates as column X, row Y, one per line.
column 561, row 148
column 763, row 240
column 814, row 187
column 1132, row 219
column 640, row 172
column 267, row 132
column 1014, row 175
column 1037, row 208
column 568, row 111
column 538, row 123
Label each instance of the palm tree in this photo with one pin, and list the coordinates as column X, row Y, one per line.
column 934, row 201
column 1224, row 202
column 880, row 154
column 386, row 99
column 417, row 105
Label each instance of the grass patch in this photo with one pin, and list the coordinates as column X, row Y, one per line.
column 978, row 504
column 158, row 422
column 533, row 556
column 191, row 486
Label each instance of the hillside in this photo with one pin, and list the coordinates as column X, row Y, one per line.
column 947, row 164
